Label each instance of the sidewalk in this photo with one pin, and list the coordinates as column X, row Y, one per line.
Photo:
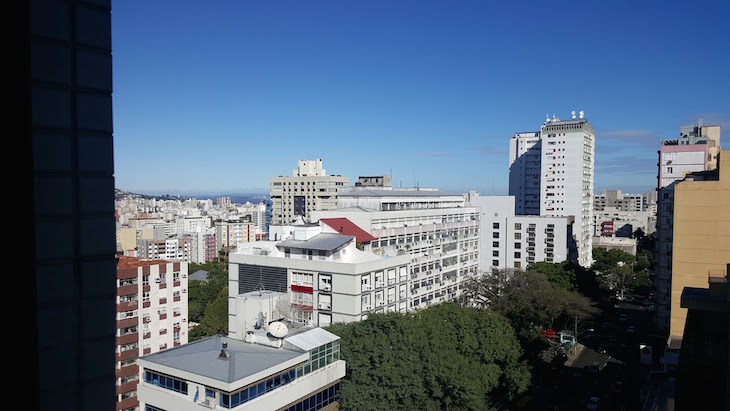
column 573, row 354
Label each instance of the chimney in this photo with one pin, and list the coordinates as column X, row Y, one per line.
column 224, row 355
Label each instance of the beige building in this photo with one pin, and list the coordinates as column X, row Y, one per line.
column 701, row 246
column 309, row 189
column 230, row 233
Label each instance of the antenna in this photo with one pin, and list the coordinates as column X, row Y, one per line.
column 581, row 114
column 278, row 329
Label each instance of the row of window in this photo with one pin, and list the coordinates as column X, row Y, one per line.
column 317, row 401
column 248, row 394
column 166, row 382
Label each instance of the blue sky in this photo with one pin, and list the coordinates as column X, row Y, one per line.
column 217, row 97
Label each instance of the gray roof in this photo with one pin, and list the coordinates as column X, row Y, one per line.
column 201, row 358
column 324, row 242
column 201, row 275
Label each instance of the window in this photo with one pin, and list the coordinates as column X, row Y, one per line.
column 517, row 254
column 495, row 235
column 495, row 225
column 518, row 226
column 518, row 236
column 495, row 263
column 495, row 243
column 518, row 264
column 495, row 253
column 166, row 382
column 518, row 246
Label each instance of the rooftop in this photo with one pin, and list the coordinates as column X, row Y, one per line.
column 324, row 242
column 124, row 261
column 396, row 193
column 201, row 358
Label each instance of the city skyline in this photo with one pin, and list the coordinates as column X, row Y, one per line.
column 219, row 100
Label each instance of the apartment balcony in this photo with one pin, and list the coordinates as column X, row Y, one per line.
column 127, row 403
column 176, row 299
column 127, row 355
column 176, row 284
column 146, row 304
column 127, row 371
column 146, row 335
column 146, row 288
column 127, row 306
column 127, row 322
column 176, row 343
column 163, row 331
column 146, row 351
column 163, row 316
column 163, row 301
column 163, row 286
column 128, row 289
column 127, row 338
column 127, row 387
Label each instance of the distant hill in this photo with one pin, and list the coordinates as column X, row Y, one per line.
column 253, row 198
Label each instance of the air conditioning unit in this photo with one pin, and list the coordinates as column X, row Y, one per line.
column 326, row 287
column 184, row 290
column 184, row 276
column 381, row 284
column 324, row 306
column 158, row 280
column 367, row 288
column 208, row 402
column 184, row 320
column 381, row 302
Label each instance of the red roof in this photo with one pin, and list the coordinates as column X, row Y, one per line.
column 347, row 227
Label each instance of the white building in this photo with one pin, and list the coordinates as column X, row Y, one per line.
column 263, row 372
column 566, row 176
column 512, row 241
column 194, row 224
column 619, row 200
column 439, row 231
column 178, row 249
column 524, row 173
column 152, row 313
column 309, row 189
column 232, row 232
column 326, row 278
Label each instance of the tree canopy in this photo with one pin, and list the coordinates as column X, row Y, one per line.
column 446, row 357
column 528, row 299
column 201, row 295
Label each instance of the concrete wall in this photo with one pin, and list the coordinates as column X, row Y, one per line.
column 701, row 236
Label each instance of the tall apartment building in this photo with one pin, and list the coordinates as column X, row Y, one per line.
column 327, row 279
column 566, row 168
column 58, row 110
column 193, row 224
column 701, row 238
column 202, row 246
column 439, row 231
column 309, row 189
column 510, row 241
column 152, row 311
column 223, row 201
column 525, row 151
column 676, row 158
column 178, row 249
column 229, row 233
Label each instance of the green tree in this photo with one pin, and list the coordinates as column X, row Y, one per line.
column 215, row 320
column 446, row 357
column 528, row 300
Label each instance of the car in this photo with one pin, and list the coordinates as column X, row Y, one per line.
column 593, row 403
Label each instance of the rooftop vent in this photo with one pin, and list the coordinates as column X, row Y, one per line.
column 224, row 355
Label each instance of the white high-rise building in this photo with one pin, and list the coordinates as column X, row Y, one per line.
column 512, row 241
column 566, row 164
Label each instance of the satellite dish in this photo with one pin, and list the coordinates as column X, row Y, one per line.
column 259, row 320
column 278, row 329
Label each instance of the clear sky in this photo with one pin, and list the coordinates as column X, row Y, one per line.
column 216, row 97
